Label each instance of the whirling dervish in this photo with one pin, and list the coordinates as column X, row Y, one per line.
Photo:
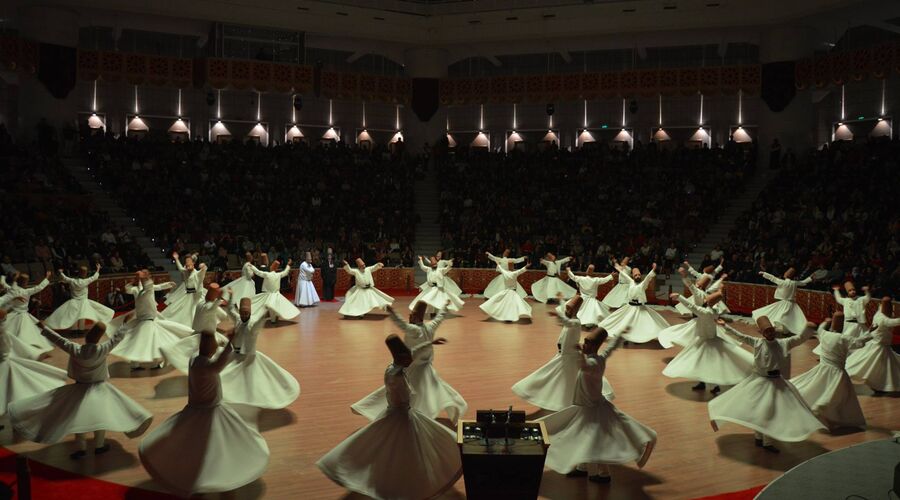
column 207, row 317
column 826, row 387
column 450, row 286
column 854, row 308
column 592, row 310
column 434, row 294
column 552, row 386
column 79, row 311
column 784, row 312
column 684, row 334
column 508, row 305
column 363, row 296
column 402, row 454
column 431, row 395
column 497, row 284
column 19, row 322
column 618, row 296
column 306, row 295
column 181, row 309
column 876, row 364
column 641, row 323
column 243, row 286
column 551, row 286
column 270, row 303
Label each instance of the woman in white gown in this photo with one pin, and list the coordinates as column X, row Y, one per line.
column 550, row 286
column 552, row 386
column 592, row 433
column 618, row 296
column 497, row 284
column 22, row 377
column 507, row 305
column 91, row 404
column 149, row 332
column 244, row 286
column 402, row 454
column 826, row 387
column 434, row 293
column 431, row 394
column 644, row 323
column 206, row 447
column 270, row 302
column 764, row 401
column 854, row 308
column 363, row 296
column 19, row 322
column 79, row 311
column 592, row 310
column 708, row 358
column 876, row 364
column 305, row 295
column 182, row 309
column 784, row 313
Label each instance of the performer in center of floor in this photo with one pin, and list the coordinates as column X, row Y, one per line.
column 91, row 404
column 784, row 313
column 764, row 401
column 855, row 323
column 708, row 358
column 552, row 386
column 244, row 286
column 684, row 334
column 450, row 286
column 592, row 433
column 826, row 387
column 876, row 364
column 548, row 287
column 402, row 453
column 507, row 305
column 431, row 394
column 434, row 294
column 592, row 310
column 181, row 310
column 363, row 296
column 76, row 312
column 618, row 296
column 270, row 303
column 497, row 284
column 305, row 295
column 643, row 324
column 206, row 447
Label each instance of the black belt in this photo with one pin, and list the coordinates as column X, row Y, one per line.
column 366, row 286
column 773, row 374
column 432, row 284
column 634, row 303
column 190, row 290
column 553, row 275
column 852, row 321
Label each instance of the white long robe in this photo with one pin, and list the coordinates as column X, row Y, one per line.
column 450, row 286
column 645, row 323
column 242, row 287
column 618, row 296
column 497, row 285
column 784, row 312
column 592, row 310
column 507, row 305
column 148, row 333
column 854, row 313
column 548, row 287
column 683, row 334
column 22, row 377
column 305, row 294
column 270, row 303
column 79, row 308
column 19, row 322
column 363, row 296
column 181, row 309
column 433, row 292
column 876, row 364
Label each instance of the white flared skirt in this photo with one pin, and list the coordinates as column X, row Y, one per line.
column 828, row 391
column 771, row 406
column 548, row 287
column 24, row 378
column 645, row 323
column 875, row 365
column 497, row 285
column 450, row 286
column 684, row 334
column 617, row 297
column 204, row 450
column 240, row 288
column 146, row 339
column 591, row 312
column 179, row 354
column 401, row 455
column 72, row 311
column 430, row 396
column 436, row 298
column 182, row 310
column 506, row 306
column 78, row 408
column 258, row 381
column 714, row 361
column 23, row 350
column 785, row 314
column 180, row 291
column 24, row 326
column 600, row 434
column 305, row 294
column 359, row 301
column 266, row 304
column 552, row 386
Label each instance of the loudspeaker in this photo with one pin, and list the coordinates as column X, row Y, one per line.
column 550, row 109
column 778, row 88
column 425, row 98
column 298, row 102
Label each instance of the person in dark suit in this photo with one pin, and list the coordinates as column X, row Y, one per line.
column 329, row 269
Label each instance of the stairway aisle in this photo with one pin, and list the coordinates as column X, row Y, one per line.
column 428, row 229
column 718, row 231
column 117, row 215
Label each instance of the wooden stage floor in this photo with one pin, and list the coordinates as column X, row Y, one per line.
column 338, row 361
